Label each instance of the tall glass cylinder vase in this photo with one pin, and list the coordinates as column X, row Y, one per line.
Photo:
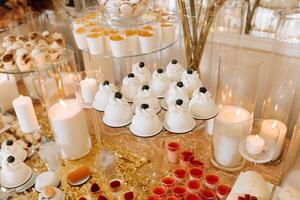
column 236, row 98
column 54, row 84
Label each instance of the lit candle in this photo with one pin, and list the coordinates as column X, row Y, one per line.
column 8, row 91
column 25, row 113
column 88, row 89
column 274, row 129
column 255, row 144
column 70, row 129
column 230, row 124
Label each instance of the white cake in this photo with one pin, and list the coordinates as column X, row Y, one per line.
column 176, row 91
column 202, row 106
column 178, row 118
column 159, row 82
column 146, row 96
column 118, row 112
column 145, row 122
column 174, row 70
column 191, row 80
column 130, row 86
column 142, row 72
column 106, row 90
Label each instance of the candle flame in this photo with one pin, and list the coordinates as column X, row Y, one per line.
column 63, row 103
column 21, row 96
column 237, row 113
column 276, row 107
column 274, row 125
column 256, row 136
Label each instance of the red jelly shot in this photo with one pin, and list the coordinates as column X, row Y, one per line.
column 172, row 197
column 173, row 152
column 159, row 191
column 168, row 181
column 207, row 195
column 195, row 173
column 195, row 163
column 192, row 196
column 115, row 185
column 211, row 181
column 153, row 197
column 223, row 191
column 128, row 195
column 179, row 191
column 184, row 158
column 180, row 174
column 193, row 186
column 173, row 146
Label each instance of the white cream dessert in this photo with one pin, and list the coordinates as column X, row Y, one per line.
column 118, row 112
column 8, row 62
column 202, row 106
column 14, row 172
column 10, row 148
column 142, row 72
column 176, row 91
column 52, row 193
column 45, row 179
column 106, row 90
column 145, row 122
column 174, row 70
column 191, row 80
column 24, row 63
column 146, row 96
column 130, row 86
column 178, row 118
column 159, row 83
column 8, row 41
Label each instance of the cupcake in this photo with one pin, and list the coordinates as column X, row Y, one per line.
column 146, row 95
column 142, row 72
column 176, row 91
column 130, row 86
column 145, row 122
column 202, row 106
column 178, row 118
column 174, row 70
column 106, row 90
column 191, row 80
column 117, row 113
column 159, row 83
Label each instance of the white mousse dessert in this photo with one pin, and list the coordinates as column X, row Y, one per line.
column 145, row 122
column 10, row 148
column 174, row 70
column 52, row 193
column 146, row 96
column 159, row 83
column 130, row 86
column 46, row 178
column 176, row 91
column 191, row 80
column 106, row 90
column 142, row 72
column 178, row 118
column 202, row 106
column 118, row 112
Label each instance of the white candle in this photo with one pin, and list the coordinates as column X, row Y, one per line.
column 25, row 113
column 230, row 124
column 70, row 129
column 274, row 129
column 255, row 144
column 88, row 89
column 8, row 91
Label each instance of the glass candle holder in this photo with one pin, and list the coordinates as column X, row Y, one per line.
column 238, row 72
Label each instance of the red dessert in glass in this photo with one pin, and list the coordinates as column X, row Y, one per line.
column 153, row 197
column 211, row 181
column 115, row 185
column 207, row 195
column 195, row 173
column 179, row 191
column 172, row 197
column 193, row 186
column 173, row 152
column 195, row 163
column 129, row 195
column 184, row 158
column 101, row 197
column 159, row 191
column 223, row 191
column 168, row 181
column 180, row 174
column 192, row 196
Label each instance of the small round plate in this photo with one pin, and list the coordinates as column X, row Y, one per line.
column 80, row 182
column 193, row 125
column 25, row 179
column 213, row 115
column 113, row 125
column 156, row 132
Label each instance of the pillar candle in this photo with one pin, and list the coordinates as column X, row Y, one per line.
column 8, row 91
column 69, row 125
column 88, row 89
column 25, row 113
column 255, row 144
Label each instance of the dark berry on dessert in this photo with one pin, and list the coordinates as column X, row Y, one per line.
column 202, row 89
column 106, row 82
column 174, row 61
column 131, row 75
column 160, row 70
column 101, row 197
column 145, row 87
column 9, row 142
column 179, row 102
column 180, row 84
column 95, row 187
column 144, row 106
column 115, row 184
column 128, row 195
column 189, row 71
column 118, row 95
column 141, row 64
column 10, row 159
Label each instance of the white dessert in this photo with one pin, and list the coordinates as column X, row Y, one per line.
column 146, row 96
column 8, row 62
column 118, row 45
column 288, row 193
column 148, row 41
column 96, row 43
column 130, row 86
column 191, row 80
column 202, row 106
column 142, row 72
column 145, row 122
column 174, row 70
column 51, row 193
column 11, row 148
column 176, row 91
column 24, row 63
column 8, row 41
column 20, row 52
column 14, row 172
column 168, row 32
column 45, row 179
column 80, row 38
column 118, row 112
column 159, row 82
column 106, row 91
column 178, row 118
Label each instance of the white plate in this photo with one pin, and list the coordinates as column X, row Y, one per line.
column 156, row 132
column 193, row 125
column 214, row 114
column 25, row 179
column 81, row 182
column 113, row 125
